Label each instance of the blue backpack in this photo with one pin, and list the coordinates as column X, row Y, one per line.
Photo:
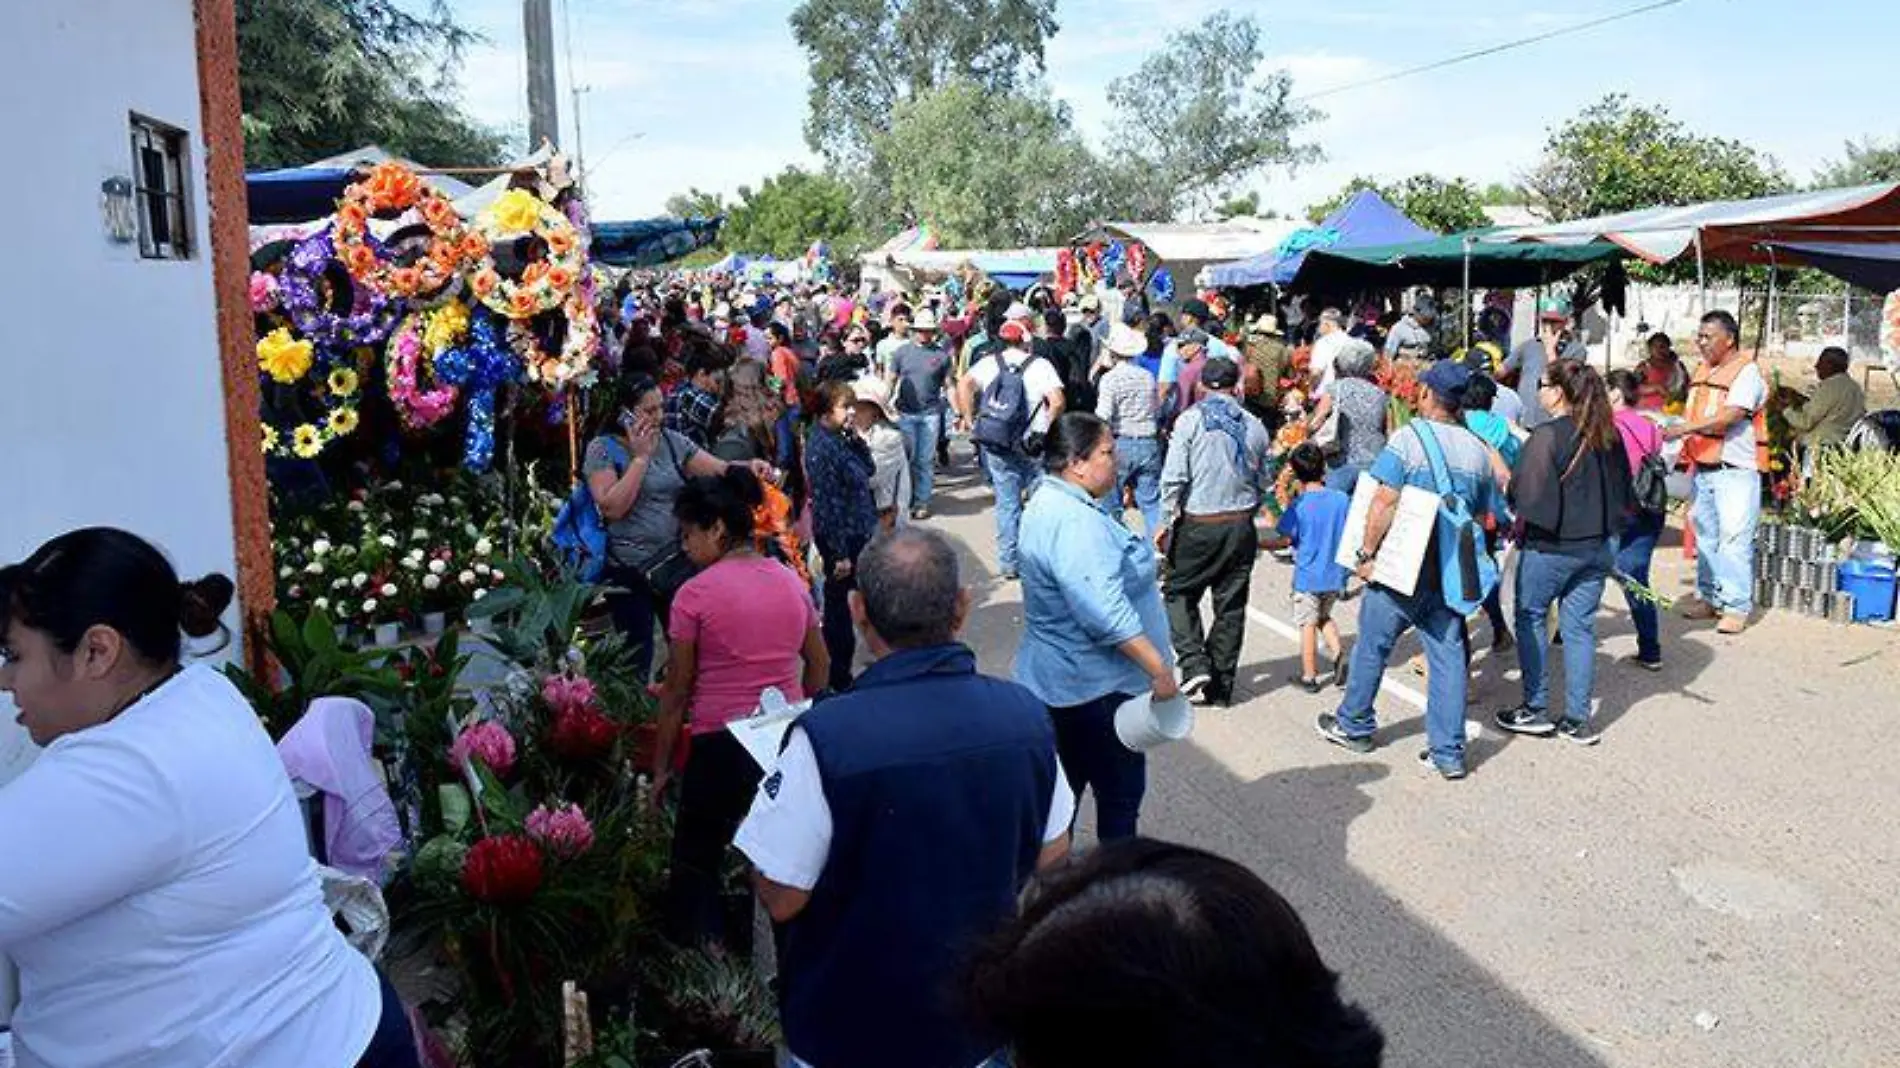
column 1466, row 570
column 580, row 535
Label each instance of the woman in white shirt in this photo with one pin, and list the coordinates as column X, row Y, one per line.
column 156, row 890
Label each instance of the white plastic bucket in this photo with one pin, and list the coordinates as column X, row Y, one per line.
column 1142, row 724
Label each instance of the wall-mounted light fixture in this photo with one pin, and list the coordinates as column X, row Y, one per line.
column 118, row 211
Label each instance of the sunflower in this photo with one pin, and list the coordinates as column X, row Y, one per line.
column 305, row 441
column 343, row 382
column 343, row 422
column 270, row 439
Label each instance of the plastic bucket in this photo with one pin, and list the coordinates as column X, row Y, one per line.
column 1873, row 585
column 1142, row 724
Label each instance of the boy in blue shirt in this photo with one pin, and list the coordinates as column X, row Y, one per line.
column 1313, row 526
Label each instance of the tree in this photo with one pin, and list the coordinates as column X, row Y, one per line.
column 696, row 203
column 867, row 57
column 1865, row 163
column 1201, row 119
column 787, row 213
column 320, row 77
column 991, row 170
column 1501, row 195
column 1616, row 156
column 1241, row 205
column 1435, row 203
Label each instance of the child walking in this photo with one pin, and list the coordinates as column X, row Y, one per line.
column 1313, row 526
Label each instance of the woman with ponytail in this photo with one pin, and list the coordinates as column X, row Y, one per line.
column 156, row 887
column 745, row 622
column 1571, row 489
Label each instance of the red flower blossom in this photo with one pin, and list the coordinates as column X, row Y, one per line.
column 582, row 733
column 504, row 870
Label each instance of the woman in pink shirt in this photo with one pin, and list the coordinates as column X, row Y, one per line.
column 1637, row 543
column 744, row 623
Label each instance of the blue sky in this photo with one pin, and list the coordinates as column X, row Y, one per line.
column 712, row 93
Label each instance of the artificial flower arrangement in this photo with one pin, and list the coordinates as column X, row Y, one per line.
column 289, row 428
column 391, row 190
column 545, row 284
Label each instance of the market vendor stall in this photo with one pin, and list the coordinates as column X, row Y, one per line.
column 1364, row 221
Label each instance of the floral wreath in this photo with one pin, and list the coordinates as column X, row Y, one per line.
column 545, row 284
column 286, row 360
column 573, row 365
column 299, row 294
column 424, row 335
column 392, row 188
column 479, row 368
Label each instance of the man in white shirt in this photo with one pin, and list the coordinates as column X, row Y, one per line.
column 1331, row 340
column 900, row 822
column 1006, row 422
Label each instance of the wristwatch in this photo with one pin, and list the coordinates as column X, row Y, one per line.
column 1365, row 557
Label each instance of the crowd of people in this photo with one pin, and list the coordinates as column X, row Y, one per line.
column 765, row 479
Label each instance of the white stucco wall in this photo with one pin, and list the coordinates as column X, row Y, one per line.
column 111, row 401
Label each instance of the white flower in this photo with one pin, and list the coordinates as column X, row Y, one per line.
column 369, row 606
column 482, row 570
column 388, row 590
column 415, row 554
column 340, row 584
column 392, row 486
column 471, row 530
column 320, row 547
column 466, row 578
column 355, row 506
column 359, row 580
column 483, row 547
column 431, row 582
column 322, row 604
column 314, row 567
column 437, row 567
column 418, row 534
column 296, row 593
column 412, row 563
column 347, row 550
column 387, row 541
column 479, row 594
column 431, row 500
column 286, row 571
column 342, row 608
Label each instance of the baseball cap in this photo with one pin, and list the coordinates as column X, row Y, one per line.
column 1193, row 335
column 1446, row 378
column 1014, row 332
column 1220, row 373
column 1197, row 308
column 1017, row 310
column 1091, row 302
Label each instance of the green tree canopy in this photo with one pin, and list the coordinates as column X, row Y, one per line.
column 321, row 77
column 696, row 203
column 1202, row 120
column 1616, row 156
column 1444, row 205
column 787, row 213
column 867, row 57
column 1862, row 163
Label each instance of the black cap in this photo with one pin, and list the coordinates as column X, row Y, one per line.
column 1220, row 373
column 1197, row 308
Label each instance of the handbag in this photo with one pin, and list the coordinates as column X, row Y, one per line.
column 1326, row 436
column 667, row 570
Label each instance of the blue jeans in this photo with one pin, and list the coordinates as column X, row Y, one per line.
column 1344, row 478
column 634, row 615
column 1011, row 474
column 920, row 438
column 1093, row 755
column 1137, row 462
column 1635, row 547
column 1574, row 582
column 1383, row 617
column 1725, row 511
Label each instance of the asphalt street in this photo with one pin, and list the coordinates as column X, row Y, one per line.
column 1713, row 885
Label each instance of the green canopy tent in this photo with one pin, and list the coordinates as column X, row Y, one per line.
column 1445, row 262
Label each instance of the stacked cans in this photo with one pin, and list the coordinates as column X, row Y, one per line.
column 1795, row 571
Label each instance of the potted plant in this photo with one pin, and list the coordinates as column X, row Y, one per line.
column 314, row 661
column 718, row 1002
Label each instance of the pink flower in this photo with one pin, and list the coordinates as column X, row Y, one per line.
column 563, row 830
column 564, row 694
column 488, row 742
column 263, row 291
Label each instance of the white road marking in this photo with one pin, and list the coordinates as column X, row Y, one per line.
column 1290, row 633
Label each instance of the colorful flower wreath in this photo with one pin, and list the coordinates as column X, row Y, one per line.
column 424, row 336
column 544, row 284
column 392, row 188
column 285, row 361
column 479, row 368
column 301, row 295
column 573, row 365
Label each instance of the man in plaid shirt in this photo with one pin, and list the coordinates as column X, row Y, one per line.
column 693, row 409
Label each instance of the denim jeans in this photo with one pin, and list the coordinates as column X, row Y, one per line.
column 1093, row 755
column 1726, row 509
column 920, row 440
column 1011, row 474
column 633, row 614
column 1137, row 463
column 1633, row 552
column 394, row 1043
column 1574, row 582
column 1383, row 617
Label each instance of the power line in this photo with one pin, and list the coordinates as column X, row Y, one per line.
column 1490, row 51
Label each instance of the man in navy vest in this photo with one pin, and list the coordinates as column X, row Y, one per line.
column 900, row 823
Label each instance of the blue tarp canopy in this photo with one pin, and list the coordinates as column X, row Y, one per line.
column 294, row 194
column 1875, row 267
column 651, row 242
column 1363, row 221
column 1018, row 270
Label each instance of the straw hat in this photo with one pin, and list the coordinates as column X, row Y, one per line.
column 924, row 320
column 1125, row 340
column 874, row 390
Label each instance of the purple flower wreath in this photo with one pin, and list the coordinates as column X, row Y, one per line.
column 372, row 314
column 479, row 367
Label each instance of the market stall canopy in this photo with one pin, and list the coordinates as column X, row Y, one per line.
column 916, row 239
column 299, row 194
column 1875, row 267
column 1734, row 231
column 1364, row 221
column 1440, row 262
column 1016, row 268
column 651, row 242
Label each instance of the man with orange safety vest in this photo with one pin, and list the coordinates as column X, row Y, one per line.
column 1725, row 445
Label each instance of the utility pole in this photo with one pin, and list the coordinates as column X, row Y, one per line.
column 544, row 124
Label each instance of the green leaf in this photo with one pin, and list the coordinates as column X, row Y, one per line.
column 319, row 634
column 505, row 599
column 285, row 641
column 456, row 809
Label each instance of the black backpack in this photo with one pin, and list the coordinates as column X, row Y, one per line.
column 1650, row 487
column 1003, row 414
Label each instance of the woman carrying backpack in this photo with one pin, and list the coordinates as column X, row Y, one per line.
column 1571, row 489
column 1642, row 440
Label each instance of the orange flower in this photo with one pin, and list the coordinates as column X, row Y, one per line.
column 405, row 279
column 523, row 304
column 438, row 213
column 351, row 216
column 392, row 185
column 533, row 273
column 360, row 260
column 484, row 282
column 560, row 241
column 473, row 247
column 560, row 278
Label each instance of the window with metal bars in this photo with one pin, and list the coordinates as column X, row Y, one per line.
column 162, row 190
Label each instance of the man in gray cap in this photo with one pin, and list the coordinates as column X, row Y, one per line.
column 1385, row 614
column 1411, row 336
column 1196, row 316
column 1213, row 482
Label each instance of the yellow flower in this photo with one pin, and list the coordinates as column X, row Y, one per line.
column 516, row 211
column 446, row 325
column 343, row 422
column 343, row 382
column 283, row 357
column 305, row 442
column 270, row 439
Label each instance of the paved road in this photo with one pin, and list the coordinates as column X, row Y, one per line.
column 1730, row 852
